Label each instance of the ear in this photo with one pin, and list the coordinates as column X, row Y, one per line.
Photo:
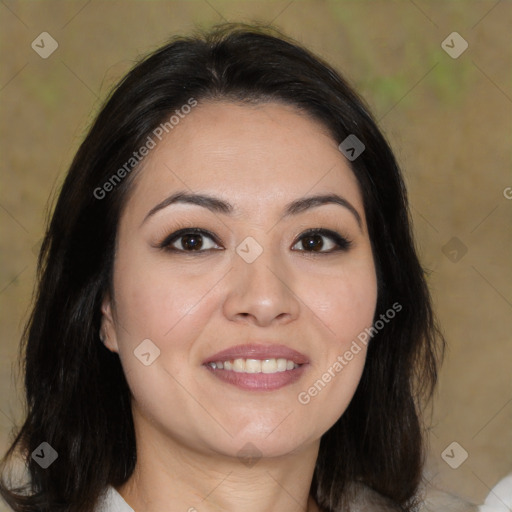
column 108, row 326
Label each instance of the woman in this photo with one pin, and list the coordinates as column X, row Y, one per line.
column 230, row 314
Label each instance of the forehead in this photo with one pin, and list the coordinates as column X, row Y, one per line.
column 257, row 157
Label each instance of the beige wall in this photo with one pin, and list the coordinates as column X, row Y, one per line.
column 448, row 119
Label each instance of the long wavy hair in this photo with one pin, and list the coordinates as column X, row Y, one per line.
column 77, row 398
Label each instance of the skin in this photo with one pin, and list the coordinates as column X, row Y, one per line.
column 190, row 426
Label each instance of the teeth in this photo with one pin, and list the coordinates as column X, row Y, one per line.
column 251, row 366
column 269, row 366
column 255, row 365
column 238, row 365
column 281, row 365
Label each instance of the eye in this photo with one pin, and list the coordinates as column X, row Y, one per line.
column 196, row 240
column 313, row 241
column 189, row 240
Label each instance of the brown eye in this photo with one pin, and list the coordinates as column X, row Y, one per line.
column 323, row 241
column 189, row 240
column 312, row 242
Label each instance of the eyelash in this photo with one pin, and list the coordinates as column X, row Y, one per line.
column 342, row 243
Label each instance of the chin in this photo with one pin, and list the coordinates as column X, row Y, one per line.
column 276, row 443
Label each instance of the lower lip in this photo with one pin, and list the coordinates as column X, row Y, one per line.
column 258, row 381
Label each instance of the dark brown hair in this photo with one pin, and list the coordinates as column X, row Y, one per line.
column 77, row 397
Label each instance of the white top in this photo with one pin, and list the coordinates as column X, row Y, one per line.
column 112, row 501
column 498, row 500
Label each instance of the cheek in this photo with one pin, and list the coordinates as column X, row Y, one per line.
column 170, row 307
column 160, row 302
column 344, row 303
column 344, row 306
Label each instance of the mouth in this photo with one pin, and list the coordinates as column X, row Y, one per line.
column 257, row 367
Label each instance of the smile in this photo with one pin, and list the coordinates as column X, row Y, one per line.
column 257, row 366
column 272, row 365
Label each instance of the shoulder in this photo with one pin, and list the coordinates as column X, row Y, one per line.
column 437, row 500
column 362, row 498
column 112, row 501
column 428, row 499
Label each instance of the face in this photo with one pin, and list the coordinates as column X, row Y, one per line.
column 245, row 282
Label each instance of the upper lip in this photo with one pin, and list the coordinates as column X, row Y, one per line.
column 257, row 351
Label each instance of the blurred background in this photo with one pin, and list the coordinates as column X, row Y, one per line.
column 437, row 75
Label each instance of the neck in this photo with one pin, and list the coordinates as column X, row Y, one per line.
column 171, row 476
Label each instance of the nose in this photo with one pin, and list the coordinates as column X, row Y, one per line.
column 261, row 292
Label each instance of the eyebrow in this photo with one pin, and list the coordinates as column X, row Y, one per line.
column 217, row 205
